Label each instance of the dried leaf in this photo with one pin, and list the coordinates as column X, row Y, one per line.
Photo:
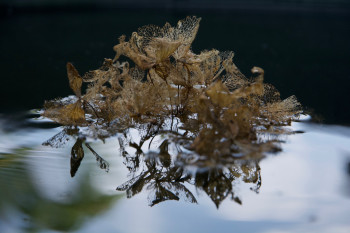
column 75, row 80
column 102, row 163
column 77, row 155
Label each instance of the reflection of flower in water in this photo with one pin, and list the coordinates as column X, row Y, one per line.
column 164, row 163
column 165, row 172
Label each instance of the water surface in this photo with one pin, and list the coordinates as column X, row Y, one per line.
column 304, row 188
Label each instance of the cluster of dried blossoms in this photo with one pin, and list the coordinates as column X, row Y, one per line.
column 219, row 113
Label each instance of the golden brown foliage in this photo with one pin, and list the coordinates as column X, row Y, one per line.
column 220, row 110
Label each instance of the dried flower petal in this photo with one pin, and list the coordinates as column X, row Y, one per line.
column 75, row 80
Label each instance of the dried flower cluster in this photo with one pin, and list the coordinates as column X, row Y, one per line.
column 203, row 121
column 155, row 77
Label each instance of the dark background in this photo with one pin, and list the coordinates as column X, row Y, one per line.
column 303, row 46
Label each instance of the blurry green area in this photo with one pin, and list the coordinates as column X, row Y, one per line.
column 23, row 203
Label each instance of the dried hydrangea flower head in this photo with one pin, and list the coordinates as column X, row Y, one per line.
column 156, row 78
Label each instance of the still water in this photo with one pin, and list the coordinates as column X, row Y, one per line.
column 303, row 188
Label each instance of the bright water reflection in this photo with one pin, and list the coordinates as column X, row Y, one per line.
column 305, row 188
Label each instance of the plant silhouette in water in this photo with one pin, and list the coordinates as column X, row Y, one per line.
column 215, row 124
